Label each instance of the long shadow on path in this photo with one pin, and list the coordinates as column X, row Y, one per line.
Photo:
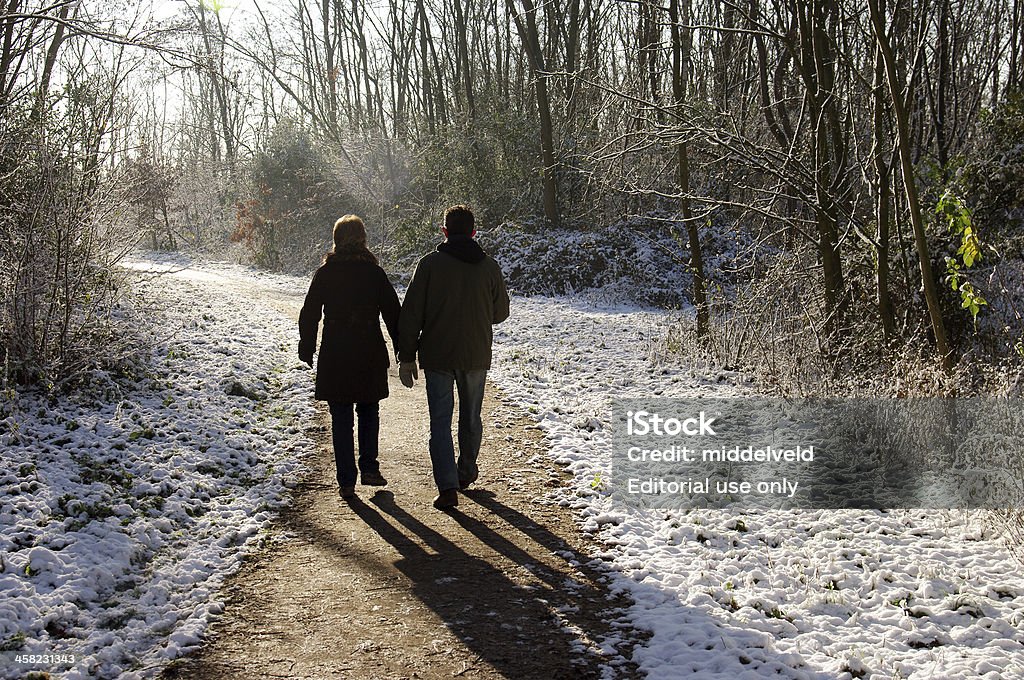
column 505, row 617
column 715, row 647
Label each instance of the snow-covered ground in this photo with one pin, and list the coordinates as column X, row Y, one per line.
column 119, row 522
column 811, row 594
column 120, row 517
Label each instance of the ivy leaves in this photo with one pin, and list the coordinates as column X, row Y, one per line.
column 958, row 218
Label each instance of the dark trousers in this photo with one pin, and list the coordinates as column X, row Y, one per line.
column 448, row 473
column 341, row 432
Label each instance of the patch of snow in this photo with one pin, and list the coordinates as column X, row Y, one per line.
column 119, row 521
column 789, row 594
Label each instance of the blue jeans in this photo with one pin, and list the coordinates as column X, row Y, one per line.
column 341, row 433
column 441, row 404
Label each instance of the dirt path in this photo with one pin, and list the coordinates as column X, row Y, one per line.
column 389, row 587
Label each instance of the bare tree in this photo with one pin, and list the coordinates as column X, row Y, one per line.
column 896, row 93
column 526, row 24
column 679, row 18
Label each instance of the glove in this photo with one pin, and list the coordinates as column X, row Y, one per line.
column 306, row 353
column 407, row 373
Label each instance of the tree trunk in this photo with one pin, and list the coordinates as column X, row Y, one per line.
column 827, row 151
column 942, row 87
column 527, row 27
column 883, row 194
column 572, row 46
column 332, row 73
column 462, row 38
column 681, row 43
column 648, row 46
column 51, row 53
column 7, row 78
column 1015, row 77
column 724, row 64
column 426, row 83
column 218, row 84
column 910, row 185
column 399, row 66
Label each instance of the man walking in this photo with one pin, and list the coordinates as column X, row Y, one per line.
column 455, row 295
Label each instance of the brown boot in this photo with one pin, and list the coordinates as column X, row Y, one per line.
column 448, row 498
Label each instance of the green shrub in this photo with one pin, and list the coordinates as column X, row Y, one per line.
column 293, row 196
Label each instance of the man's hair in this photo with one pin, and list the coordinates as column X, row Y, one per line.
column 459, row 219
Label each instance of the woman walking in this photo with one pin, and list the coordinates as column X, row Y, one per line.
column 352, row 293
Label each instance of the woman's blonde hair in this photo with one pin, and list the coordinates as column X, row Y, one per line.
column 350, row 241
column 349, row 233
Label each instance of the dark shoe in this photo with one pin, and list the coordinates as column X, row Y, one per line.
column 465, row 483
column 448, row 498
column 372, row 479
column 347, row 492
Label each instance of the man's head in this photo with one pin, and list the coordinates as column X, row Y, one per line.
column 349, row 233
column 459, row 221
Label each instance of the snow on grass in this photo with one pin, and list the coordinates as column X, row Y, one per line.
column 795, row 594
column 121, row 517
column 637, row 259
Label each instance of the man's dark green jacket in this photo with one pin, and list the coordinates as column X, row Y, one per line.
column 455, row 295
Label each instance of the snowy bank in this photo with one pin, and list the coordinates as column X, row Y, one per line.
column 121, row 517
column 813, row 594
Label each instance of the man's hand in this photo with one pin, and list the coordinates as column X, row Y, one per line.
column 407, row 373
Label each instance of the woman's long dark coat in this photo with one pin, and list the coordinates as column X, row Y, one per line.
column 352, row 293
